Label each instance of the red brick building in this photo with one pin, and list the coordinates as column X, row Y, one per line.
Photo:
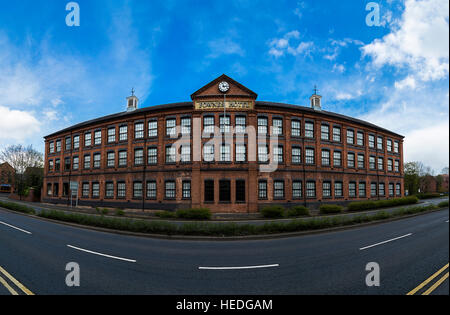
column 234, row 159
column 7, row 173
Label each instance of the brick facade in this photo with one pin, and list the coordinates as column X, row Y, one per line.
column 245, row 175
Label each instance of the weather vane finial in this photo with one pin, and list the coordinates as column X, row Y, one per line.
column 315, row 90
column 132, row 92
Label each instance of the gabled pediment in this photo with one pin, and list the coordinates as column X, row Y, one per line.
column 236, row 90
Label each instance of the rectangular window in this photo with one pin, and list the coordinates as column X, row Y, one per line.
column 309, row 130
column 68, row 143
column 309, row 156
column 67, row 164
column 338, row 191
column 186, row 154
column 224, row 191
column 372, row 163
column 241, row 124
column 139, row 130
column 337, row 134
column 350, row 137
column 171, row 127
column 389, row 145
column 397, row 166
column 381, row 189
column 49, row 190
column 87, row 162
column 76, row 142
column 352, row 189
column 121, row 190
column 278, row 189
column 109, row 190
column 262, row 189
column 137, row 190
column 50, row 165
column 57, row 164
column 76, row 163
column 325, row 132
column 360, row 138
column 225, row 123
column 371, row 141
column 325, row 157
column 52, row 147
column 241, row 153
column 396, row 146
column 262, row 125
column 263, row 153
column 240, row 191
column 373, row 190
column 170, row 191
column 151, row 189
column 380, row 143
column 123, row 158
column 326, row 189
column 390, row 165
column 171, row 154
column 225, row 153
column 95, row 190
column 391, row 190
column 111, row 159
column 295, row 128
column 186, row 126
column 380, row 164
column 123, row 133
column 296, row 155
column 87, row 139
column 98, row 137
column 277, row 125
column 209, row 191
column 297, row 189
column 362, row 189
column 398, row 189
column 311, row 189
column 97, row 160
column 153, row 129
column 111, row 135
column 58, row 146
column 186, row 190
column 361, row 161
column 86, row 190
column 208, row 125
column 278, row 154
column 208, row 153
column 139, row 157
column 337, row 158
column 351, row 160
column 152, row 156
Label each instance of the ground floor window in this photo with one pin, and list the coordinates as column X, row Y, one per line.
column 85, row 190
column 224, row 191
column 352, row 189
column 95, row 190
column 121, row 190
column 186, row 190
column 151, row 190
column 109, row 189
column 381, row 190
column 49, row 190
column 391, row 190
column 278, row 189
column 297, row 189
column 137, row 190
column 398, row 189
column 262, row 189
column 170, row 190
column 326, row 189
column 373, row 190
column 240, row 191
column 362, row 189
column 338, row 192
column 311, row 189
column 209, row 191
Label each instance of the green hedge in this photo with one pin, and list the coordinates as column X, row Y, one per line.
column 369, row 205
column 273, row 212
column 330, row 209
column 428, row 195
column 16, row 207
column 194, row 214
column 166, row 215
column 297, row 211
column 443, row 204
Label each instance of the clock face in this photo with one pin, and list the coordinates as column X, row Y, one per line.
column 224, row 87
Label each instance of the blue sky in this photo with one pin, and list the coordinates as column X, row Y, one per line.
column 395, row 74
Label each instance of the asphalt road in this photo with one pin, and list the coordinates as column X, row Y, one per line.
column 329, row 263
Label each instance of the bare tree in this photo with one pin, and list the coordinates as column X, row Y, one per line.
column 445, row 170
column 21, row 158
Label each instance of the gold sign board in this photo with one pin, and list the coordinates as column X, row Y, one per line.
column 205, row 105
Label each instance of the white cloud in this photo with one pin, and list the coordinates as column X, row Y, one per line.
column 278, row 47
column 419, row 41
column 408, row 82
column 224, row 46
column 17, row 125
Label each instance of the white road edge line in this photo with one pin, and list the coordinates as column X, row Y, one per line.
column 100, row 254
column 14, row 227
column 381, row 243
column 237, row 268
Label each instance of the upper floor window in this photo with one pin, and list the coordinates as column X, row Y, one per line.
column 171, row 127
column 325, row 132
column 351, row 160
column 153, row 128
column 67, row 164
column 350, row 137
column 50, row 165
column 380, row 163
column 360, row 160
column 337, row 134
column 98, row 137
column 371, row 141
column 309, row 130
column 52, row 147
column 186, row 126
column 277, row 124
column 360, row 138
column 123, row 133
column 309, row 156
column 111, row 135
column 139, row 130
column 390, row 165
column 396, row 145
column 171, row 154
column 241, row 124
column 380, row 143
column 152, row 156
column 208, row 152
column 208, row 125
column 58, row 146
column 263, row 153
column 68, row 143
column 296, row 128
column 123, row 158
column 262, row 125
column 76, row 142
column 186, row 153
column 97, row 160
column 278, row 154
column 87, row 162
column 241, row 154
column 325, row 157
column 87, row 139
column 225, row 124
column 225, row 153
column 76, row 163
column 397, row 166
column 389, row 145
column 337, row 158
column 139, row 157
column 296, row 155
column 372, row 162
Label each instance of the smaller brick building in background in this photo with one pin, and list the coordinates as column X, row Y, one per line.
column 7, row 173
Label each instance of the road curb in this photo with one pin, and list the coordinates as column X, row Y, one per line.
column 225, row 238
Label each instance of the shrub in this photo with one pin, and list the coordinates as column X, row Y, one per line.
column 329, row 209
column 16, row 207
column 194, row 214
column 104, row 211
column 272, row 212
column 297, row 211
column 428, row 195
column 443, row 204
column 368, row 205
column 166, row 214
column 120, row 212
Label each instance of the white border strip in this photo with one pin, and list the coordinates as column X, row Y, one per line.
column 11, row 226
column 381, row 243
column 237, row 268
column 100, row 254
